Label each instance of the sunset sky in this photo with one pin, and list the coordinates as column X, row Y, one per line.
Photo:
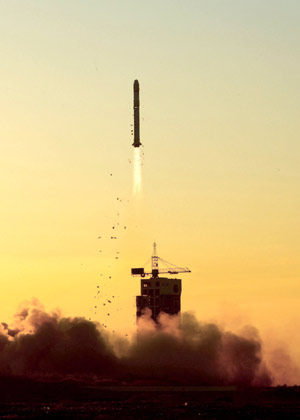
column 219, row 90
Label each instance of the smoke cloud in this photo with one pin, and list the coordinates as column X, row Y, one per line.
column 40, row 343
column 177, row 351
column 190, row 352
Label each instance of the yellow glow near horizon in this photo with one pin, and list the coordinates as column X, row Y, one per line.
column 219, row 124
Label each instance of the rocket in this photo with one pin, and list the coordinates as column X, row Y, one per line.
column 136, row 114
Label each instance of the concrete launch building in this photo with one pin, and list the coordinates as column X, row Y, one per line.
column 159, row 294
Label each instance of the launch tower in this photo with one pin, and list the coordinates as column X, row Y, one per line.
column 159, row 294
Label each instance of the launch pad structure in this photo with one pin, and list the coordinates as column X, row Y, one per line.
column 159, row 294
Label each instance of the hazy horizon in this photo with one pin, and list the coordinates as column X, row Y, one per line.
column 219, row 86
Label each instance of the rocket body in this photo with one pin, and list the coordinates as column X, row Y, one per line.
column 136, row 114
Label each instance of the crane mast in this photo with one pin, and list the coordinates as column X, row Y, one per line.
column 154, row 258
column 155, row 270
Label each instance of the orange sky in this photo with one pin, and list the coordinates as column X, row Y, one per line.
column 220, row 122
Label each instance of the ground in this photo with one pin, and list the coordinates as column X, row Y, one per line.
column 24, row 399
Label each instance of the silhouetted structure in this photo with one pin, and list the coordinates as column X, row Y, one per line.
column 159, row 294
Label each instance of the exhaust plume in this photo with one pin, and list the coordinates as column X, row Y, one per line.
column 137, row 171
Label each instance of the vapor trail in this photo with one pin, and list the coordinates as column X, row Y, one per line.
column 137, row 171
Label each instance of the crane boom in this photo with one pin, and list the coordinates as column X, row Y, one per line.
column 155, row 270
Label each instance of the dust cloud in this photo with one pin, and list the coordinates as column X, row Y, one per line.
column 177, row 351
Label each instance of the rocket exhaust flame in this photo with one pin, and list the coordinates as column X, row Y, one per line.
column 137, row 165
column 137, row 171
